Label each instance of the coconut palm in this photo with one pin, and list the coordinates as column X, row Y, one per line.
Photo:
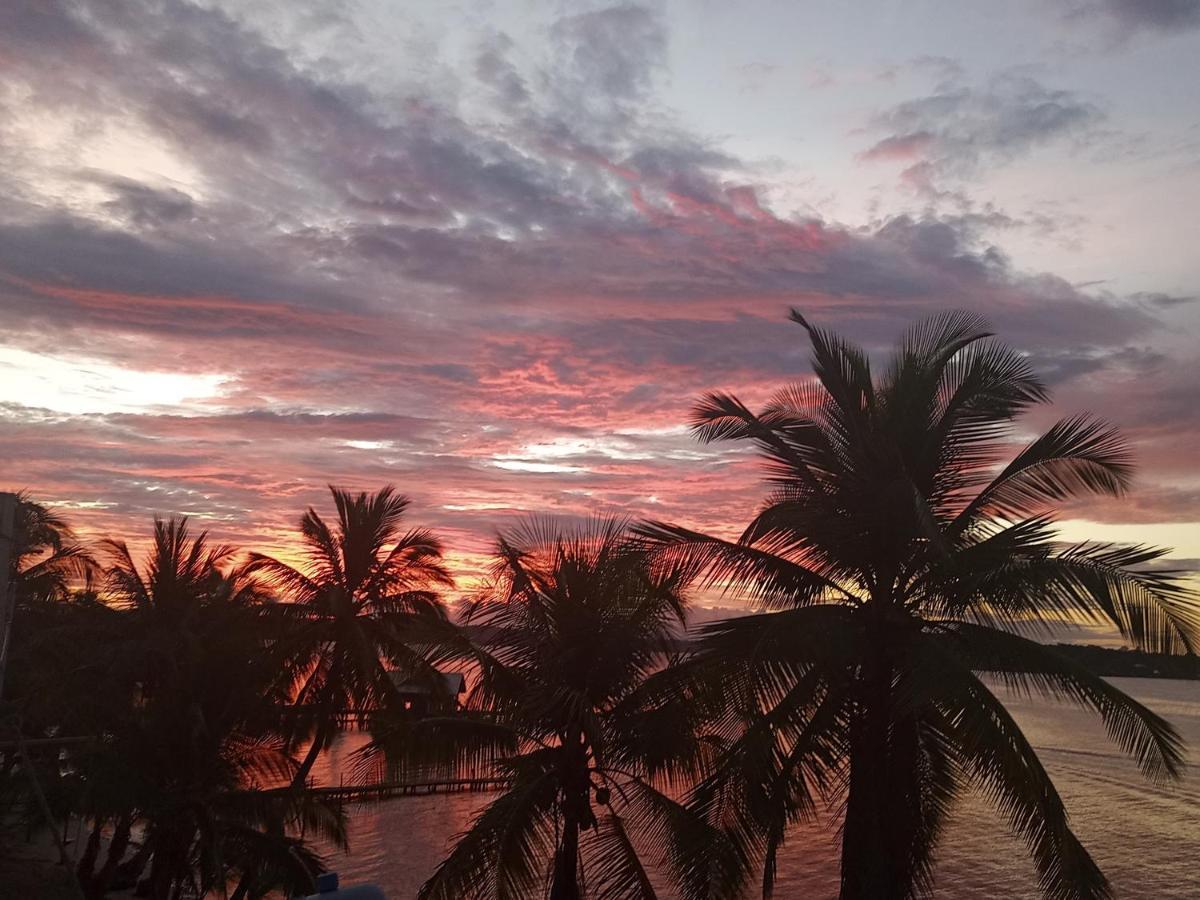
column 198, row 751
column 45, row 563
column 46, row 560
column 368, row 587
column 571, row 627
column 900, row 553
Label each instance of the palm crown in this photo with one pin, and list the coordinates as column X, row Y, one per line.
column 570, row 630
column 367, row 592
column 898, row 555
column 184, row 640
column 46, row 559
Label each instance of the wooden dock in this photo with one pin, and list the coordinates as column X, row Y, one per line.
column 386, row 790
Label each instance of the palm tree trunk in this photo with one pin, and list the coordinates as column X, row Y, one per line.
column 866, row 867
column 326, row 724
column 577, row 813
column 320, row 736
column 891, row 827
column 566, row 862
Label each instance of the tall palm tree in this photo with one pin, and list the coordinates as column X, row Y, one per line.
column 46, row 563
column 569, row 631
column 198, row 749
column 900, row 553
column 368, row 588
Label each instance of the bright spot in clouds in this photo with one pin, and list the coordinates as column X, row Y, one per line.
column 519, row 465
column 82, row 386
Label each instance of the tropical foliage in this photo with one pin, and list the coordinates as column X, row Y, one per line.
column 570, row 631
column 45, row 560
column 905, row 562
column 901, row 554
column 174, row 683
column 366, row 596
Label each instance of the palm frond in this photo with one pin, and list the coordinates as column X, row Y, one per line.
column 999, row 759
column 845, row 373
column 1153, row 608
column 705, row 862
column 503, row 854
column 773, row 580
column 444, row 745
column 614, row 869
column 1077, row 456
column 1028, row 666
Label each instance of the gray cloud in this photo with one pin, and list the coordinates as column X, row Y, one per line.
column 1161, row 301
column 1166, row 16
column 537, row 252
column 144, row 206
column 955, row 130
column 611, row 53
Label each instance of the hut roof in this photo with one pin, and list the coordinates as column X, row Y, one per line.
column 454, row 683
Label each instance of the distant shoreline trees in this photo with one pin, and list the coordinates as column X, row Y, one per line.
column 897, row 557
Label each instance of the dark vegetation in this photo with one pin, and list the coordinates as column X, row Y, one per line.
column 175, row 703
column 1123, row 662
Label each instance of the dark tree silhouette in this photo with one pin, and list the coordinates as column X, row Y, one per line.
column 366, row 593
column 46, row 565
column 898, row 555
column 196, row 754
column 570, row 630
column 47, row 562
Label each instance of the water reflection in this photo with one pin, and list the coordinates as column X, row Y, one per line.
column 1145, row 836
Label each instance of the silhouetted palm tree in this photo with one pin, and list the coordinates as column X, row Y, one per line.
column 367, row 588
column 898, row 555
column 198, row 751
column 570, row 629
column 46, row 561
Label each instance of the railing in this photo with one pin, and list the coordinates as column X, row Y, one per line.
column 383, row 790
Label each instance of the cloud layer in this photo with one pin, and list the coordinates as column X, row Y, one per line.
column 499, row 288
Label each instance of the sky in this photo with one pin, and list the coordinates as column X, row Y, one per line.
column 491, row 252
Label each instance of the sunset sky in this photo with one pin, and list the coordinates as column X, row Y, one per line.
column 492, row 252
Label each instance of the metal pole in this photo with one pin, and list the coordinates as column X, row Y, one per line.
column 8, row 518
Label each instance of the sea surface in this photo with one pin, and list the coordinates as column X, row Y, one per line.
column 1145, row 836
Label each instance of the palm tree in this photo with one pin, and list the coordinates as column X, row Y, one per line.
column 367, row 587
column 569, row 629
column 45, row 563
column 46, row 560
column 198, row 751
column 897, row 556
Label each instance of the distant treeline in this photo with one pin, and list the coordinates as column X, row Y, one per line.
column 1125, row 663
column 1111, row 662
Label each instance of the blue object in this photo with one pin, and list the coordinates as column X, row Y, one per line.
column 327, row 889
column 327, row 882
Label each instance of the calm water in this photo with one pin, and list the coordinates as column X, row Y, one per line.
column 1145, row 837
